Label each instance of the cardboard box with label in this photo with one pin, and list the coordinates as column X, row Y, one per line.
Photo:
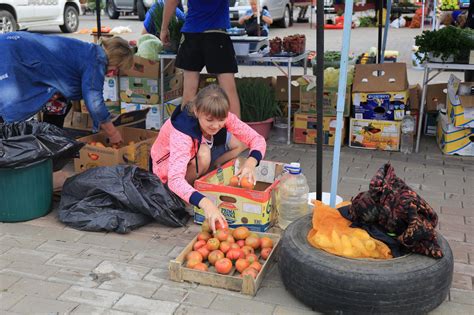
column 374, row 134
column 380, row 91
column 436, row 96
column 460, row 102
column 241, row 207
column 145, row 68
column 154, row 119
column 305, row 129
column 415, row 96
column 454, row 140
column 147, row 91
column 135, row 152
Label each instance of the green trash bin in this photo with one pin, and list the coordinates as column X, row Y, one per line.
column 26, row 193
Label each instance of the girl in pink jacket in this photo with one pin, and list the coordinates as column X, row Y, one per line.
column 198, row 136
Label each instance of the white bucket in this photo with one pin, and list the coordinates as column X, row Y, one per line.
column 326, row 198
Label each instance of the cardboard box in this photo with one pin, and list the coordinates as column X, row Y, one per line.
column 154, row 119
column 135, row 153
column 431, row 123
column 305, row 132
column 380, row 91
column 460, row 102
column 241, row 207
column 111, row 89
column 147, row 91
column 281, row 89
column 436, row 96
column 453, row 140
column 374, row 134
column 415, row 96
column 145, row 68
column 83, row 121
column 113, row 107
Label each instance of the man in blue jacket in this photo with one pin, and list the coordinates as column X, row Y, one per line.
column 35, row 67
column 205, row 43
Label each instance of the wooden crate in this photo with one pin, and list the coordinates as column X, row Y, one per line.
column 246, row 285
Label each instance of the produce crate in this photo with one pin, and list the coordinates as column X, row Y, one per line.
column 245, row 285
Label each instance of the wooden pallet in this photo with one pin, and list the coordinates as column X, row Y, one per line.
column 246, row 285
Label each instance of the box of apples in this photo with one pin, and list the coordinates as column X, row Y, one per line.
column 232, row 259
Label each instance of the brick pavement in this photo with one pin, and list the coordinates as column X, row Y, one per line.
column 46, row 267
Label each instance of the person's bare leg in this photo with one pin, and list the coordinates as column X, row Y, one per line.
column 190, row 86
column 235, row 148
column 204, row 161
column 227, row 83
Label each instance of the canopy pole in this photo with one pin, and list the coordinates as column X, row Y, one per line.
column 319, row 96
column 341, row 98
column 97, row 13
column 385, row 32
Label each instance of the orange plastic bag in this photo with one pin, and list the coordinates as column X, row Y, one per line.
column 332, row 233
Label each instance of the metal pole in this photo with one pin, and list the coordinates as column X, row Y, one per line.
column 385, row 31
column 319, row 96
column 379, row 44
column 422, row 26
column 97, row 13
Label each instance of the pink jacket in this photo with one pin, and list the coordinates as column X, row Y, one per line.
column 178, row 142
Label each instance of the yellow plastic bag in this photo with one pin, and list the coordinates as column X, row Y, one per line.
column 332, row 233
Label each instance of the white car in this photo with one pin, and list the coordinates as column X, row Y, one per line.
column 280, row 10
column 22, row 14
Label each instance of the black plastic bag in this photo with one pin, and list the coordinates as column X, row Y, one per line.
column 120, row 199
column 30, row 142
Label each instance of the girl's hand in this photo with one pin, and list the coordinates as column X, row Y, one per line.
column 248, row 170
column 212, row 213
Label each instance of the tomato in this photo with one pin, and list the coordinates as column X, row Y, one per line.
column 230, row 239
column 224, row 247
column 241, row 264
column 204, row 236
column 241, row 233
column 250, row 271
column 248, row 250
column 199, row 244
column 266, row 242
column 246, row 184
column 234, row 181
column 213, row 244
column 252, row 241
column 219, row 226
column 266, row 252
column 251, row 258
column 194, row 255
column 234, row 254
column 241, row 243
column 214, row 256
column 234, row 245
column 222, row 235
column 256, row 265
column 204, row 252
column 201, row 266
column 206, row 227
column 223, row 266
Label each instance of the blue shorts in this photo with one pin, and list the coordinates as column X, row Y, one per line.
column 219, row 150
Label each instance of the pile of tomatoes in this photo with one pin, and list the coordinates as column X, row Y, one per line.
column 226, row 248
column 244, row 182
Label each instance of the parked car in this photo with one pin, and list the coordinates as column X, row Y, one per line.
column 280, row 10
column 22, row 14
column 139, row 7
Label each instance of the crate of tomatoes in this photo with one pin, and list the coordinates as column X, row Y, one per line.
column 232, row 259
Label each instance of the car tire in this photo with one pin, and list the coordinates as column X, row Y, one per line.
column 112, row 10
column 285, row 22
column 7, row 22
column 327, row 283
column 71, row 20
column 141, row 10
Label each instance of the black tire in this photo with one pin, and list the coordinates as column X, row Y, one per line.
column 71, row 20
column 412, row 284
column 112, row 10
column 141, row 10
column 285, row 22
column 7, row 22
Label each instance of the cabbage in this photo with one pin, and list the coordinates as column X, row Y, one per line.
column 149, row 46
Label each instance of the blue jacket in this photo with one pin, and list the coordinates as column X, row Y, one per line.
column 33, row 67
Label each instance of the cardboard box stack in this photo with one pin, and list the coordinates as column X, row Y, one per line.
column 455, row 133
column 380, row 97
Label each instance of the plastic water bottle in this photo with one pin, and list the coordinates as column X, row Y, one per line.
column 292, row 195
column 408, row 133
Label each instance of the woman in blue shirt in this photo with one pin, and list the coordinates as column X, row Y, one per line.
column 35, row 67
column 250, row 20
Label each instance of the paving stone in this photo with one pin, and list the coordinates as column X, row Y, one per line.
column 464, row 269
column 170, row 293
column 136, row 287
column 446, row 225
column 38, row 305
column 4, row 248
column 27, row 255
column 175, row 251
column 194, row 310
column 463, row 282
column 223, row 292
column 282, row 310
column 39, row 288
column 104, row 253
column 55, row 234
column 456, row 210
column 84, row 309
column 97, row 297
column 152, row 244
column 20, row 242
column 8, row 299
column 448, row 308
column 453, row 218
column 23, row 230
column 71, row 276
column 122, row 270
column 100, row 240
column 469, row 220
column 431, row 187
column 454, row 235
column 7, row 281
column 278, row 295
column 225, row 302
column 29, row 270
column 63, row 247
column 141, row 305
column 462, row 296
column 74, row 261
column 128, row 237
column 198, row 298
column 152, row 259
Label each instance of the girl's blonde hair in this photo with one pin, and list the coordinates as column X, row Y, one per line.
column 211, row 100
column 119, row 53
